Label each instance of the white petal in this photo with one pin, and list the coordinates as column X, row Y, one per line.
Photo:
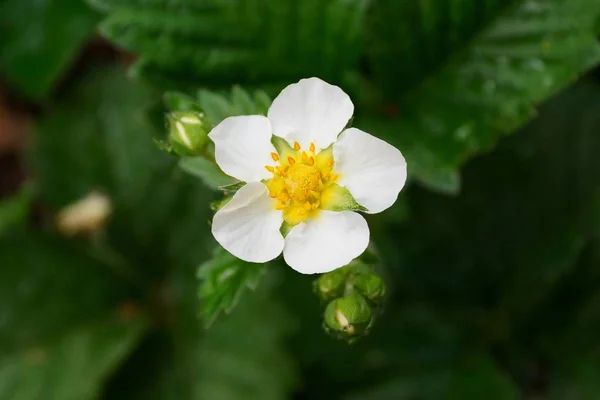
column 248, row 226
column 372, row 170
column 310, row 111
column 326, row 242
column 243, row 147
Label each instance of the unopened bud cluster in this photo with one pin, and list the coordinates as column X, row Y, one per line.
column 354, row 295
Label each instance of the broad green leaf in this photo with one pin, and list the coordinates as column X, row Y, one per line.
column 462, row 73
column 239, row 102
column 224, row 279
column 39, row 39
column 73, row 366
column 190, row 42
column 219, row 105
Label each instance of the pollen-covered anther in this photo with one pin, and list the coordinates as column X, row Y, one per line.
column 296, row 146
column 275, row 156
column 312, row 148
column 291, row 160
column 283, row 197
column 270, row 168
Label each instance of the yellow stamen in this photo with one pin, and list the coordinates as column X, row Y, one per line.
column 300, row 182
column 283, row 197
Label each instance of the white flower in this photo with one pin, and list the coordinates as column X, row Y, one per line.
column 302, row 171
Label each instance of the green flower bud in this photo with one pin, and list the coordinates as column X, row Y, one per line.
column 188, row 133
column 348, row 317
column 371, row 286
column 331, row 285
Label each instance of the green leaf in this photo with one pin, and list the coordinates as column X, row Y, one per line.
column 176, row 101
column 219, row 106
column 224, row 278
column 542, row 184
column 39, row 40
column 73, row 366
column 207, row 170
column 192, row 42
column 472, row 71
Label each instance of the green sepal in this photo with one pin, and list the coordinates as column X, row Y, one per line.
column 285, row 228
column 232, row 188
column 282, row 146
column 218, row 204
column 164, row 146
column 339, row 198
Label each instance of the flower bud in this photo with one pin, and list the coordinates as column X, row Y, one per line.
column 331, row 285
column 371, row 286
column 348, row 317
column 188, row 132
column 87, row 215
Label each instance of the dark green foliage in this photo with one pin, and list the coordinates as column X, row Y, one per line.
column 224, row 279
column 472, row 71
column 253, row 42
column 39, row 39
column 490, row 293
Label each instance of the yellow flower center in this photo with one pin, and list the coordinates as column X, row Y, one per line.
column 299, row 181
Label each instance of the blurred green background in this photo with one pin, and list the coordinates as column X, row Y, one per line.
column 491, row 255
